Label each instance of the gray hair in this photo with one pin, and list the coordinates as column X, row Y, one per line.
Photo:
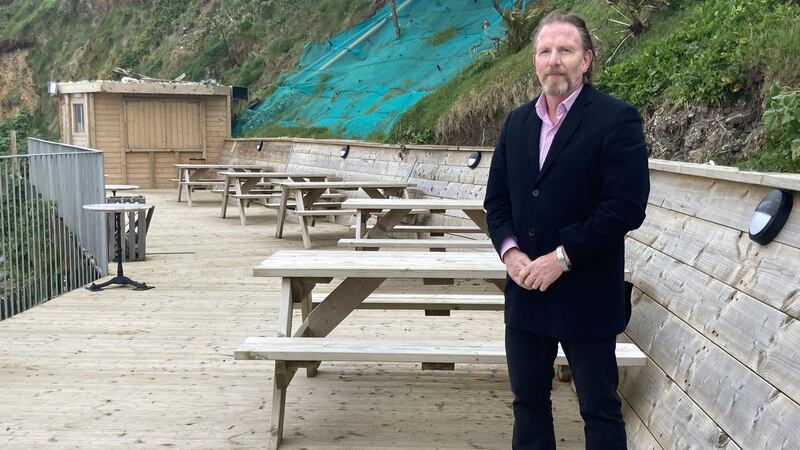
column 572, row 19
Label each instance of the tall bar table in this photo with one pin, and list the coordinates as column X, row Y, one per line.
column 117, row 209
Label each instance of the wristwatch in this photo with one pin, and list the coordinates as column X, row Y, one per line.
column 562, row 258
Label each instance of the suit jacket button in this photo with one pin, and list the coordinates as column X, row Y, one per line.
column 532, row 232
column 535, row 193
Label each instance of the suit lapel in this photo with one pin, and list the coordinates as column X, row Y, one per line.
column 571, row 121
column 532, row 130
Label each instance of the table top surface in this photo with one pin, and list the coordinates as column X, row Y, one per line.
column 401, row 264
column 222, row 166
column 272, row 174
column 117, row 207
column 121, row 187
column 421, row 203
column 344, row 184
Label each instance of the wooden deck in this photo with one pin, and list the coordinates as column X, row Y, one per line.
column 155, row 369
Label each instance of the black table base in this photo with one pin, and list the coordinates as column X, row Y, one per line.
column 120, row 278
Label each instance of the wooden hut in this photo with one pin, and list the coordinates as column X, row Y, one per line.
column 144, row 127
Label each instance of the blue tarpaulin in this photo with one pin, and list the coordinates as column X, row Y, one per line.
column 361, row 81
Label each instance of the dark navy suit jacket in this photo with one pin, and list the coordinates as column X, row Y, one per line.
column 591, row 190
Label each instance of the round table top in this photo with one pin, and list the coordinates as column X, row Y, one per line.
column 117, row 207
column 121, row 187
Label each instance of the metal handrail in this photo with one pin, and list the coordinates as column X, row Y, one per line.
column 48, row 244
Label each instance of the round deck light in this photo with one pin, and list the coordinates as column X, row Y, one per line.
column 770, row 216
column 473, row 160
column 344, row 151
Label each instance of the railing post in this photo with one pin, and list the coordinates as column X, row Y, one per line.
column 14, row 164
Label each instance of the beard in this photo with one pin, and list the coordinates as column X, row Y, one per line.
column 557, row 87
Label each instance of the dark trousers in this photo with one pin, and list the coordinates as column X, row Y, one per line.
column 594, row 370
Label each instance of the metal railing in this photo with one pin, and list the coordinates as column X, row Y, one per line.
column 49, row 244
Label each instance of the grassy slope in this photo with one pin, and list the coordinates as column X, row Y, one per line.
column 164, row 38
column 700, row 52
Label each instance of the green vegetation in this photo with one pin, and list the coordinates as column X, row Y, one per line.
column 272, row 130
column 12, row 98
column 442, row 36
column 23, row 123
column 781, row 133
column 160, row 23
column 709, row 52
column 418, row 124
column 690, row 52
column 706, row 59
column 242, row 42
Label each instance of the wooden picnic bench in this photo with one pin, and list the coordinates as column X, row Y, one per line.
column 390, row 212
column 306, row 194
column 432, row 244
column 191, row 176
column 244, row 187
column 363, row 273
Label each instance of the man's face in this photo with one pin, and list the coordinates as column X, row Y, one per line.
column 560, row 59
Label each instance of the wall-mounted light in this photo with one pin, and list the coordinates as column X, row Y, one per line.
column 473, row 160
column 259, row 146
column 344, row 151
column 770, row 216
column 52, row 87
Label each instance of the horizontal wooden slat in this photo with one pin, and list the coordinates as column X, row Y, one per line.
column 764, row 339
column 416, row 243
column 382, row 264
column 441, row 302
column 385, row 350
column 672, row 417
column 401, row 203
column 750, row 410
column 723, row 202
column 764, row 272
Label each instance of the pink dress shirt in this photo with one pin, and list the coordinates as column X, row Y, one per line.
column 546, row 136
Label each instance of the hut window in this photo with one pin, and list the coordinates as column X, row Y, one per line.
column 78, row 121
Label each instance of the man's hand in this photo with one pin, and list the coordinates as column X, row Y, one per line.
column 516, row 260
column 541, row 273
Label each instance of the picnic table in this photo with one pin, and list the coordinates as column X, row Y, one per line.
column 392, row 211
column 202, row 175
column 306, row 194
column 245, row 186
column 120, row 187
column 363, row 272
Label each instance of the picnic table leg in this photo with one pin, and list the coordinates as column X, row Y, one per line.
column 225, row 188
column 299, row 207
column 337, row 306
column 303, row 203
column 386, row 223
column 180, row 184
column 301, row 293
column 374, row 193
column 285, row 307
column 361, row 223
column 279, row 385
column 479, row 217
column 240, row 204
column 282, row 212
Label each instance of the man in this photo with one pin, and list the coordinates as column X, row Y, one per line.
column 568, row 180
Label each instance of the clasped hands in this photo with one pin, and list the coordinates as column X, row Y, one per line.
column 532, row 275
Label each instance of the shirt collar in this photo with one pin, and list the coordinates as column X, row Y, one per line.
column 561, row 110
